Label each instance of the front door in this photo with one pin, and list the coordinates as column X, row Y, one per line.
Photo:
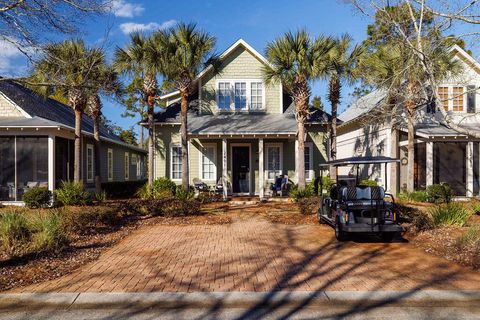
column 241, row 169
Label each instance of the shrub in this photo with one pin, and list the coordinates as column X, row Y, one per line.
column 184, row 194
column 449, row 214
column 37, row 197
column 439, row 193
column 73, row 193
column 48, row 231
column 176, row 208
column 414, row 196
column 368, row 183
column 297, row 194
column 476, row 208
column 14, row 232
column 161, row 188
column 81, row 219
column 422, row 221
column 101, row 197
column 471, row 236
column 308, row 205
column 209, row 197
column 122, row 189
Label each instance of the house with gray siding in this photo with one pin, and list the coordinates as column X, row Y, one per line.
column 37, row 146
column 442, row 154
column 241, row 131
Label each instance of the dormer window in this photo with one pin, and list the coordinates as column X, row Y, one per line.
column 240, row 95
column 455, row 98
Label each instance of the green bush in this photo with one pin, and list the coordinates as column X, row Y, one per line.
column 48, row 231
column 73, row 194
column 122, row 189
column 184, row 194
column 471, row 236
column 476, row 208
column 14, row 232
column 414, row 196
column 297, row 194
column 37, row 197
column 161, row 188
column 327, row 183
column 209, row 197
column 449, row 214
column 439, row 193
column 368, row 183
column 101, row 197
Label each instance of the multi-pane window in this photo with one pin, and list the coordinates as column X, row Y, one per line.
column 224, row 95
column 308, row 162
column 89, row 163
column 110, row 164
column 443, row 93
column 240, row 95
column 176, row 165
column 274, row 161
column 256, row 96
column 457, row 99
column 209, row 170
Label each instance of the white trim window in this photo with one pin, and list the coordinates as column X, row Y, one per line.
column 176, row 162
column 110, row 164
column 139, row 166
column 208, row 160
column 223, row 97
column 240, row 94
column 308, row 158
column 273, row 160
column 90, row 160
column 256, row 96
column 127, row 166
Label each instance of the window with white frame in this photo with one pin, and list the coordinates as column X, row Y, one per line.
column 208, row 162
column 240, row 95
column 256, row 96
column 89, row 163
column 273, row 160
column 127, row 166
column 139, row 166
column 110, row 164
column 224, row 95
column 134, row 159
column 176, row 162
column 308, row 156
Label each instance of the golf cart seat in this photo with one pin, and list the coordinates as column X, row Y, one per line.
column 363, row 195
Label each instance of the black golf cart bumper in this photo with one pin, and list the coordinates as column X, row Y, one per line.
column 379, row 228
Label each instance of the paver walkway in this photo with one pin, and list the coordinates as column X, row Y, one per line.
column 256, row 255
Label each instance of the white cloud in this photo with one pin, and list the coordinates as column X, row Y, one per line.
column 123, row 9
column 130, row 27
column 10, row 56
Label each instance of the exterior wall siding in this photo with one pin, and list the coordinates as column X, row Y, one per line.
column 240, row 64
column 7, row 109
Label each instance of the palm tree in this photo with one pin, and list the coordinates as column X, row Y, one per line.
column 295, row 60
column 141, row 58
column 186, row 51
column 107, row 83
column 342, row 68
column 71, row 67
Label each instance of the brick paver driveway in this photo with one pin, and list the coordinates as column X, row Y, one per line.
column 255, row 255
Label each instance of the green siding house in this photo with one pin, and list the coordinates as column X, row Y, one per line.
column 242, row 133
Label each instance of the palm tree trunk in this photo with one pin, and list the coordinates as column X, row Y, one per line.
column 411, row 153
column 77, row 164
column 96, row 138
column 183, row 133
column 334, row 97
column 301, row 153
column 150, row 141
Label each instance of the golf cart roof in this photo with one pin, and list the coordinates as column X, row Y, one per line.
column 359, row 160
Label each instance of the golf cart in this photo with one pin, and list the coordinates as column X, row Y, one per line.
column 352, row 208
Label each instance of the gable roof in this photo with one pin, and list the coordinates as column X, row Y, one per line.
column 41, row 112
column 239, row 43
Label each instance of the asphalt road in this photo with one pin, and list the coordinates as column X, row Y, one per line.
column 334, row 312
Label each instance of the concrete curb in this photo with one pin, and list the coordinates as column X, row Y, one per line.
column 173, row 300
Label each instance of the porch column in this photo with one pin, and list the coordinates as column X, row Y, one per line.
column 470, row 169
column 51, row 163
column 429, row 164
column 261, row 171
column 224, row 169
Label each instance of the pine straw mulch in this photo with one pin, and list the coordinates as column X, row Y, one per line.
column 87, row 247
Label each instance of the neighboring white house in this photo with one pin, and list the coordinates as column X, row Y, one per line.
column 441, row 153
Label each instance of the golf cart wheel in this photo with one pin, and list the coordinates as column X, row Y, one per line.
column 388, row 236
column 339, row 233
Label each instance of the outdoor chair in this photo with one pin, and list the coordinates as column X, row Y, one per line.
column 280, row 186
column 200, row 186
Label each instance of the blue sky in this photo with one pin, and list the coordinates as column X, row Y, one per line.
column 257, row 22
